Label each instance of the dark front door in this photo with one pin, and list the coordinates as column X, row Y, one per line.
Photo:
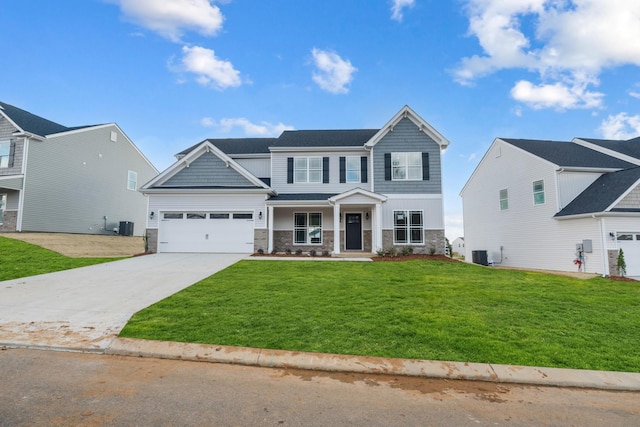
column 353, row 232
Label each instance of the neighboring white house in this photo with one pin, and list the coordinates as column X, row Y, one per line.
column 555, row 205
column 310, row 190
column 55, row 178
column 457, row 246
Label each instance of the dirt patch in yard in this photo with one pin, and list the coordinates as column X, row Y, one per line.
column 84, row 245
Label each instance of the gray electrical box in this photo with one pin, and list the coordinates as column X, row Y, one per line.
column 579, row 247
column 587, row 246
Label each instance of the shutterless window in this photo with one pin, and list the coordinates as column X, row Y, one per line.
column 172, row 215
column 624, row 236
column 538, row 192
column 196, row 216
column 353, row 168
column 407, row 227
column 307, row 169
column 132, row 180
column 219, row 216
column 504, row 199
column 307, row 228
column 242, row 216
column 406, row 166
column 5, row 150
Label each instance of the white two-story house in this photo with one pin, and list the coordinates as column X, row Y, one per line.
column 328, row 191
column 555, row 205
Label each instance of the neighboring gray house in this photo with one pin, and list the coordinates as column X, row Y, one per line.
column 457, row 246
column 55, row 178
column 323, row 190
column 555, row 205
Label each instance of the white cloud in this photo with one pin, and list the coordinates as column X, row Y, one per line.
column 263, row 129
column 398, row 6
column 563, row 41
column 332, row 73
column 558, row 95
column 210, row 70
column 170, row 18
column 634, row 94
column 621, row 126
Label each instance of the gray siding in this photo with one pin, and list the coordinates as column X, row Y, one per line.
column 208, row 170
column 6, row 131
column 76, row 179
column 406, row 137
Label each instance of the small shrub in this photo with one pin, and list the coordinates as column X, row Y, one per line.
column 380, row 252
column 407, row 250
column 312, row 252
column 299, row 252
column 432, row 250
column 621, row 264
column 261, row 251
column 325, row 253
column 287, row 251
column 273, row 252
column 393, row 252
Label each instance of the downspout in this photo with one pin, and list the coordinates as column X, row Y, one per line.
column 25, row 156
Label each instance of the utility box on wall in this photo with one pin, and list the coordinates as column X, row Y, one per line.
column 587, row 246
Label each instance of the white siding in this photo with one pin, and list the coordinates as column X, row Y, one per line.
column 207, row 203
column 528, row 233
column 570, row 184
column 279, row 173
column 432, row 208
column 261, row 168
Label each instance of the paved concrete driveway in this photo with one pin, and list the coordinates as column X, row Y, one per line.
column 87, row 307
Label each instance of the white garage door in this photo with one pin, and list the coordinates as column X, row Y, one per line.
column 630, row 245
column 230, row 232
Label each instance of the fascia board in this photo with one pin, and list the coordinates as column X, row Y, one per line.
column 20, row 130
column 206, row 191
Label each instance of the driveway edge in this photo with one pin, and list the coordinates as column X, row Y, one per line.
column 605, row 380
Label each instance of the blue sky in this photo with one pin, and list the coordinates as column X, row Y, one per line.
column 174, row 72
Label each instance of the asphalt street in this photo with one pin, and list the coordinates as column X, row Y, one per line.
column 49, row 388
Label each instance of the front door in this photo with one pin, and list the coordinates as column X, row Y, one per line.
column 353, row 232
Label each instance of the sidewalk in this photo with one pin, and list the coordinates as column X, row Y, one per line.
column 605, row 380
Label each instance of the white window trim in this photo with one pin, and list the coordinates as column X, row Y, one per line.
column 505, row 199
column 533, row 192
column 3, row 207
column 307, row 242
column 405, row 165
column 307, row 170
column 408, row 213
column 130, row 181
column 358, row 161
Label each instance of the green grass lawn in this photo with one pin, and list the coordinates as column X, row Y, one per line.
column 21, row 259
column 415, row 309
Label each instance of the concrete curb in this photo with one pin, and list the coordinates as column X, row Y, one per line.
column 605, row 380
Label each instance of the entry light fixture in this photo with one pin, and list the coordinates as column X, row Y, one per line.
column 260, row 215
column 152, row 214
column 366, row 216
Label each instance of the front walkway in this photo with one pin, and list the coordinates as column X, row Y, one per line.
column 87, row 307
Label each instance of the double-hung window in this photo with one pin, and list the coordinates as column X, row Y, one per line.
column 5, row 152
column 307, row 169
column 132, row 180
column 408, row 227
column 353, row 164
column 538, row 192
column 307, row 228
column 504, row 199
column 406, row 166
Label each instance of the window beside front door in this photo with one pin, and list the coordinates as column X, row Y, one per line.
column 408, row 227
column 307, row 228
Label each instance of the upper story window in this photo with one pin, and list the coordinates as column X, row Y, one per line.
column 406, row 166
column 307, row 169
column 538, row 192
column 353, row 168
column 504, row 199
column 5, row 152
column 132, row 181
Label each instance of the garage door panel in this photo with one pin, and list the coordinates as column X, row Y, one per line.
column 211, row 234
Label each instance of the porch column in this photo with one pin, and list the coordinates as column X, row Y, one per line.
column 336, row 228
column 376, row 225
column 270, row 229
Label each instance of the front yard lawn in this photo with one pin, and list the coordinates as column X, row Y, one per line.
column 22, row 259
column 416, row 309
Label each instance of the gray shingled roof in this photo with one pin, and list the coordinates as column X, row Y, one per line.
column 568, row 154
column 30, row 122
column 602, row 193
column 233, row 146
column 325, row 138
column 630, row 147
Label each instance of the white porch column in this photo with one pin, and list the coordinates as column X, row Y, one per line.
column 376, row 234
column 336, row 228
column 270, row 228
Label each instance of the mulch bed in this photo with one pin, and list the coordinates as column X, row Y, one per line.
column 415, row 256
